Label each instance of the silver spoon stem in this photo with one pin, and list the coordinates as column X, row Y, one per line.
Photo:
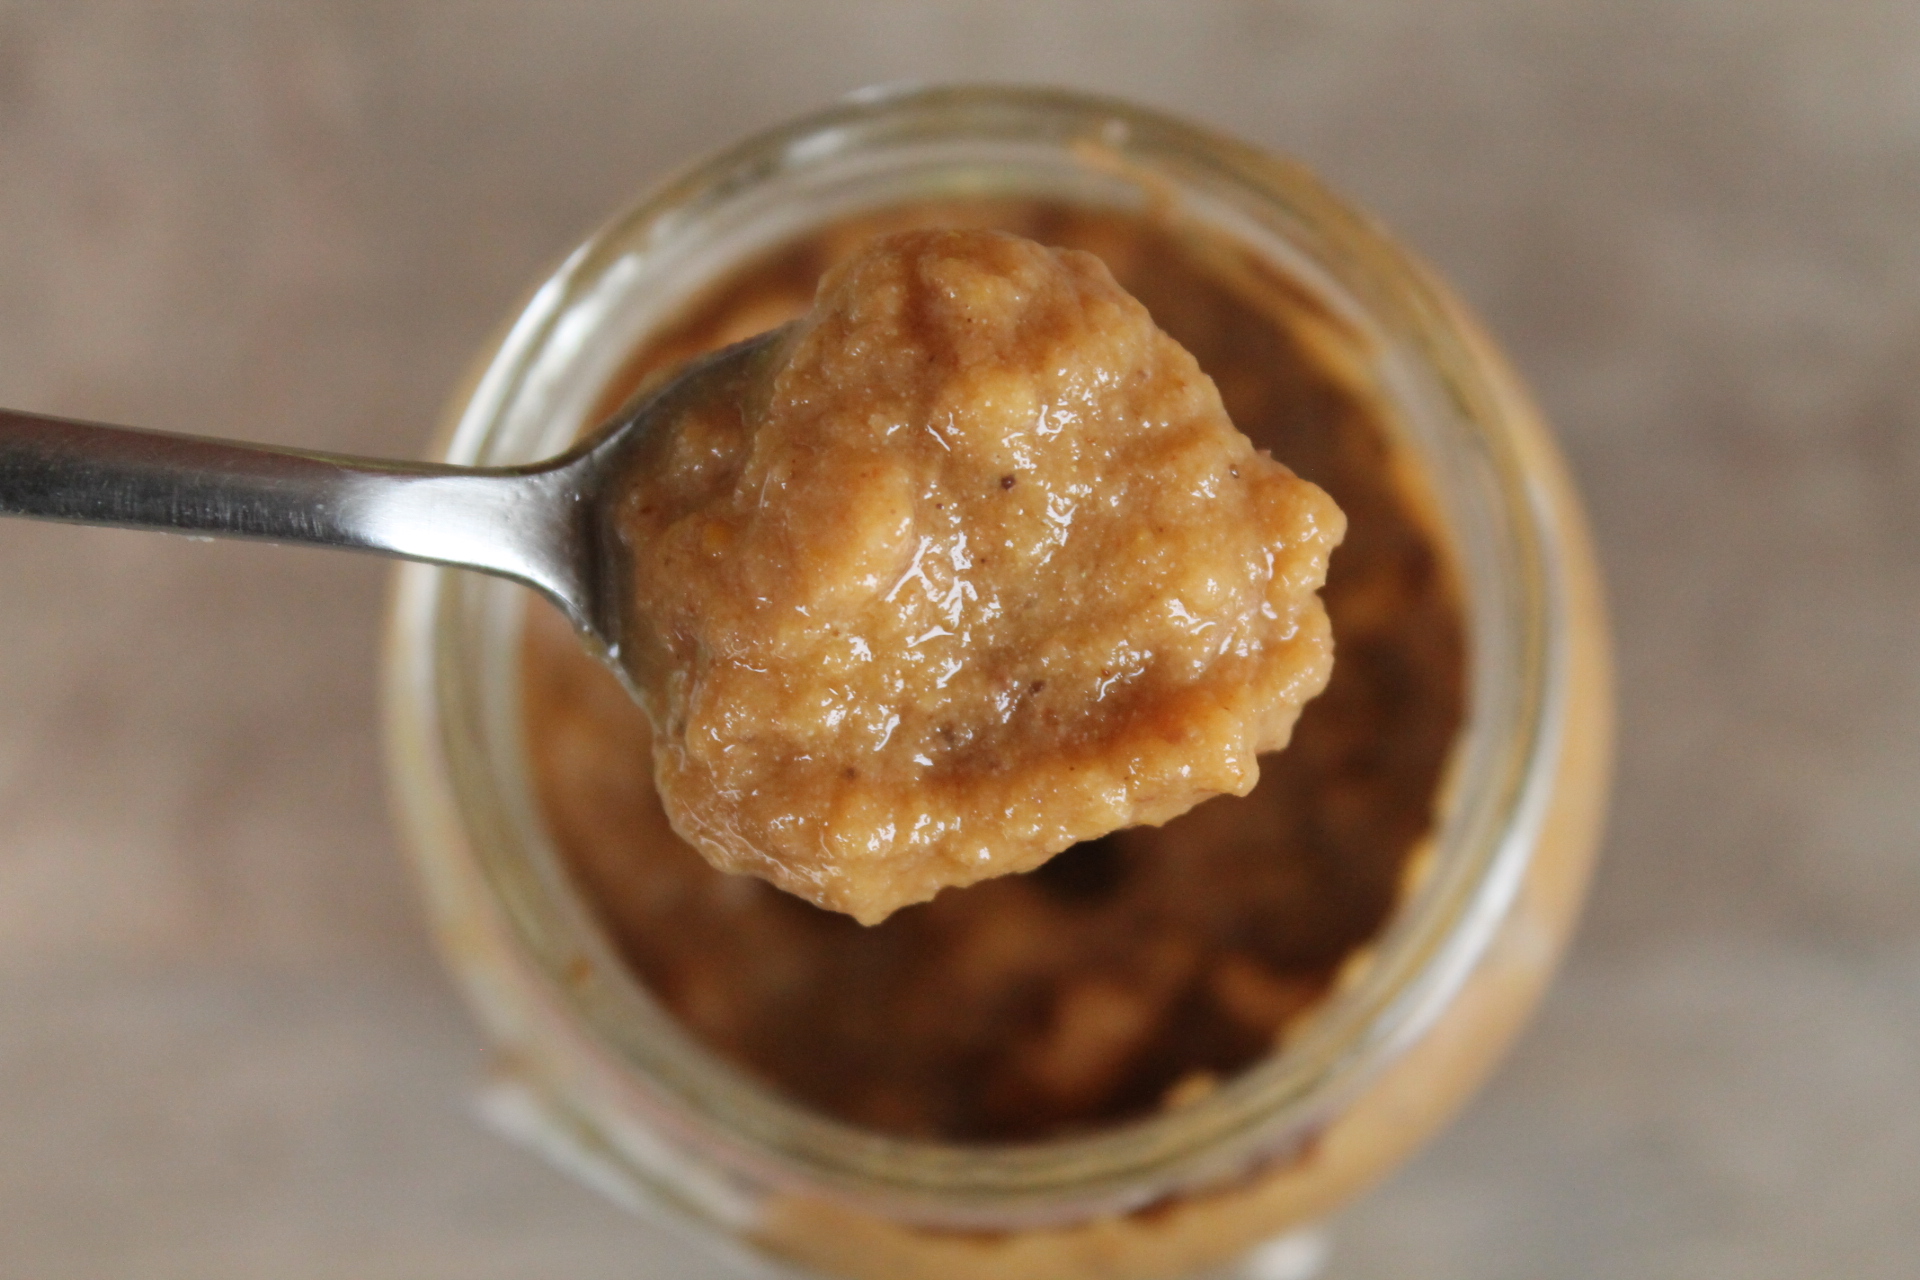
column 525, row 523
column 551, row 524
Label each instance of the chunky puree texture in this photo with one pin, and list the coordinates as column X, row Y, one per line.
column 1133, row 970
column 976, row 568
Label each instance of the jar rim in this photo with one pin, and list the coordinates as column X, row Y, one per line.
column 1494, row 803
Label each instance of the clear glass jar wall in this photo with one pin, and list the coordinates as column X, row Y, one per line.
column 659, row 1121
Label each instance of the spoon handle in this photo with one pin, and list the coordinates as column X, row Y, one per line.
column 522, row 523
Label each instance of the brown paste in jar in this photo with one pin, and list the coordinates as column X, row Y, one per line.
column 970, row 567
column 1130, row 971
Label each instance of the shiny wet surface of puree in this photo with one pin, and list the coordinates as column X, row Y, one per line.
column 968, row 567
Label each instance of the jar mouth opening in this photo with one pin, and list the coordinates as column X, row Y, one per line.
column 456, row 725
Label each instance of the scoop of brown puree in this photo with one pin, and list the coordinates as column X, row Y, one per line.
column 981, row 570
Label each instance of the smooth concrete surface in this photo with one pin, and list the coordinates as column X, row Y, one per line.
column 225, row 1047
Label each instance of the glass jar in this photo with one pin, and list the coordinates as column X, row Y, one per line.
column 606, row 1080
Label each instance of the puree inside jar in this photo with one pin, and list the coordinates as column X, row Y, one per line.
column 1135, row 969
column 972, row 568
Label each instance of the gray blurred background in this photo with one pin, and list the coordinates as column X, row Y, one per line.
column 225, row 1047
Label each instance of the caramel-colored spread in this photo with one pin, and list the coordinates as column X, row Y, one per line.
column 1132, row 970
column 976, row 569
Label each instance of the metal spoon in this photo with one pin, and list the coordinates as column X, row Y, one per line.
column 548, row 524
